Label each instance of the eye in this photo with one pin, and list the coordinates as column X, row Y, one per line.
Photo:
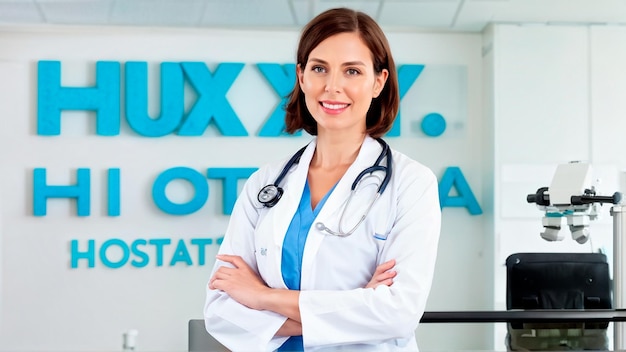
column 353, row 72
column 318, row 69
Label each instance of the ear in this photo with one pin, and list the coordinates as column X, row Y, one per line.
column 379, row 84
column 299, row 74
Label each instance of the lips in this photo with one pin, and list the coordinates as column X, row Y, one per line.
column 333, row 107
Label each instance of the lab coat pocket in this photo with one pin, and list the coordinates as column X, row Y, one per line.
column 379, row 236
column 379, row 225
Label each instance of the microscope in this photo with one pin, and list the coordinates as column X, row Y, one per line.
column 570, row 200
column 573, row 280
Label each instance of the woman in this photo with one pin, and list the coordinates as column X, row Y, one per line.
column 306, row 265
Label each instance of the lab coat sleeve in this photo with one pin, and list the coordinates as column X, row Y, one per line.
column 234, row 325
column 385, row 313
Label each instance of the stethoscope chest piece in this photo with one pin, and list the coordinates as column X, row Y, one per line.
column 270, row 195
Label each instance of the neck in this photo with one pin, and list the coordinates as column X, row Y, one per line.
column 335, row 152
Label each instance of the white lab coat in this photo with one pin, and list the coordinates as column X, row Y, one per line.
column 337, row 311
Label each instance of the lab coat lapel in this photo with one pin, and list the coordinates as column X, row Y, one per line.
column 282, row 213
column 329, row 214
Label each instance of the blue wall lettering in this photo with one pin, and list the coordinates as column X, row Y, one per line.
column 282, row 78
column 407, row 75
column 136, row 251
column 433, row 124
column 114, row 242
column 113, row 194
column 52, row 98
column 158, row 246
column 172, row 99
column 202, row 243
column 181, row 254
column 453, row 177
column 230, row 177
column 212, row 105
column 196, row 179
column 139, row 252
column 76, row 255
column 80, row 191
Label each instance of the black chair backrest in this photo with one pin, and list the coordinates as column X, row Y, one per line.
column 558, row 281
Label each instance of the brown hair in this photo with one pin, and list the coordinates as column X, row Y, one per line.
column 384, row 108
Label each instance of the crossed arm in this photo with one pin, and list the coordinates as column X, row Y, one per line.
column 243, row 285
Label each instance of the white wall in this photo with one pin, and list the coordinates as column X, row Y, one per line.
column 608, row 107
column 45, row 305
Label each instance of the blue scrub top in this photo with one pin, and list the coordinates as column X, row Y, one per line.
column 293, row 247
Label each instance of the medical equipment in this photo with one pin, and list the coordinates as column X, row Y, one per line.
column 270, row 194
column 570, row 196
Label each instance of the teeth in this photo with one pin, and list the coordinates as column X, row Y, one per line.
column 334, row 106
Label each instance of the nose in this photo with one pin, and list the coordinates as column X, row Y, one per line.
column 333, row 83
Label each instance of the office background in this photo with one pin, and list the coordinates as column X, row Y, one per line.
column 518, row 99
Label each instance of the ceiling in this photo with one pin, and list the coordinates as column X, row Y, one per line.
column 446, row 15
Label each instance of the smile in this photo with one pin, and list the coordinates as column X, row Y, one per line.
column 336, row 107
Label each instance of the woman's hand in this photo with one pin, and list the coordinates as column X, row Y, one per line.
column 290, row 328
column 241, row 283
column 383, row 275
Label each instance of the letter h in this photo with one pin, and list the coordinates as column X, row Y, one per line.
column 42, row 191
column 104, row 98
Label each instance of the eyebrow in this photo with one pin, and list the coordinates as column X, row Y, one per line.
column 349, row 63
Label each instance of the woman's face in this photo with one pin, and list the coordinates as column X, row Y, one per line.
column 339, row 83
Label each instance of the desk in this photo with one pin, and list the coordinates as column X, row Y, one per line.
column 200, row 340
column 525, row 316
column 529, row 316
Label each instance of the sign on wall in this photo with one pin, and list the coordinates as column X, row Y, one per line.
column 192, row 97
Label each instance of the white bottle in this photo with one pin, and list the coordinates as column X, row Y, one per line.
column 130, row 340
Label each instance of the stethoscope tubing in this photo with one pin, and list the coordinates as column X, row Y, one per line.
column 320, row 226
column 274, row 191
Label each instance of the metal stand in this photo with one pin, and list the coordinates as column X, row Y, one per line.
column 618, row 212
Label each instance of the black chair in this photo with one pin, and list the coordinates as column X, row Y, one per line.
column 557, row 281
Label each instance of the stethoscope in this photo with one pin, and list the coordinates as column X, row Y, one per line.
column 270, row 194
